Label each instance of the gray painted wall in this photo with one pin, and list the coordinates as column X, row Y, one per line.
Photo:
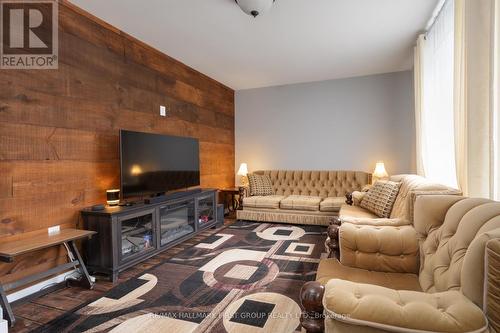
column 345, row 124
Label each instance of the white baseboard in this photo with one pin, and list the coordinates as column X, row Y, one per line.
column 37, row 287
column 4, row 326
column 3, row 323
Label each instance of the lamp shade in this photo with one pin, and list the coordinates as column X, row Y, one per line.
column 380, row 171
column 255, row 7
column 243, row 170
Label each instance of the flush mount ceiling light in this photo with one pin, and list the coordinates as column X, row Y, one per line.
column 255, row 7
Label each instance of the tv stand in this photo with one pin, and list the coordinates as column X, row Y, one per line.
column 170, row 196
column 129, row 235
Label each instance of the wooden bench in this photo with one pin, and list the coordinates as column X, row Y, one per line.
column 67, row 237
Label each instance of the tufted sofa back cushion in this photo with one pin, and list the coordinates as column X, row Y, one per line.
column 444, row 248
column 411, row 184
column 316, row 183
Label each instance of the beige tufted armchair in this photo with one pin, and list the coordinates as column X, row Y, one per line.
column 451, row 284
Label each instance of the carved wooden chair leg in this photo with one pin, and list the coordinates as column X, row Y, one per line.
column 311, row 298
column 332, row 242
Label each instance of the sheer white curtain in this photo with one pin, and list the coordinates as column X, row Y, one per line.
column 496, row 101
column 437, row 140
column 477, row 97
column 458, row 98
column 418, row 83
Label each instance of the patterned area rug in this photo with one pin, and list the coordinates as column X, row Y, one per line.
column 245, row 278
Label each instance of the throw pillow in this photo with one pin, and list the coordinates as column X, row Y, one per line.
column 381, row 197
column 260, row 185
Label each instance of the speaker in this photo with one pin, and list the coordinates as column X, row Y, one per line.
column 220, row 215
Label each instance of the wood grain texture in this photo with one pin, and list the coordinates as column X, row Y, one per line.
column 59, row 144
column 10, row 250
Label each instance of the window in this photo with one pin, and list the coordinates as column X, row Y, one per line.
column 437, row 118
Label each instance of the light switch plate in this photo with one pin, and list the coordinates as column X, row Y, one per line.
column 54, row 230
column 163, row 111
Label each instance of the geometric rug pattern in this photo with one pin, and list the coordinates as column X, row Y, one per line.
column 244, row 278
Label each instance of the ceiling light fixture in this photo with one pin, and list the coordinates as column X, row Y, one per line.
column 255, row 7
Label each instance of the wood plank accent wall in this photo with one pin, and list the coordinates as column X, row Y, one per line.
column 59, row 145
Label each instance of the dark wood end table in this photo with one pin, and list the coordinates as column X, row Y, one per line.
column 229, row 198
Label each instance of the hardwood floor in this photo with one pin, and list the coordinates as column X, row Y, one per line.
column 39, row 311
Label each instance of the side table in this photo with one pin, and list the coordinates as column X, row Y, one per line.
column 229, row 199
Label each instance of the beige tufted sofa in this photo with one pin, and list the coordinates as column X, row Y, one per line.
column 451, row 283
column 402, row 212
column 412, row 186
column 303, row 197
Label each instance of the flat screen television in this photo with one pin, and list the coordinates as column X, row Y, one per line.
column 154, row 163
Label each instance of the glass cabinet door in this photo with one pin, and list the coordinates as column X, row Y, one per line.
column 176, row 221
column 136, row 235
column 206, row 210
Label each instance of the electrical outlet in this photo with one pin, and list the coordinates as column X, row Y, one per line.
column 54, row 230
column 163, row 111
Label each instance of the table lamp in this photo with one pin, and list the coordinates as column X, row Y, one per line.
column 380, row 173
column 243, row 172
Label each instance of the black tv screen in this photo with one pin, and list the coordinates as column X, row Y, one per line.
column 154, row 163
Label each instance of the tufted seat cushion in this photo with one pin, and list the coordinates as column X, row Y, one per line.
column 268, row 201
column 300, row 202
column 347, row 211
column 401, row 310
column 331, row 204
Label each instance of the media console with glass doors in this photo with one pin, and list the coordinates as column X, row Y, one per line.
column 128, row 235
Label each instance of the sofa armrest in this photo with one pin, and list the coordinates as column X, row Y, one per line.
column 357, row 197
column 379, row 248
column 378, row 222
column 414, row 194
column 401, row 310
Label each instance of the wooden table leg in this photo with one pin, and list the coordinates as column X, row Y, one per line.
column 6, row 306
column 229, row 204
column 235, row 202
column 241, row 191
column 87, row 281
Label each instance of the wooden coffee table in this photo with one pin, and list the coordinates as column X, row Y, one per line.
column 10, row 250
